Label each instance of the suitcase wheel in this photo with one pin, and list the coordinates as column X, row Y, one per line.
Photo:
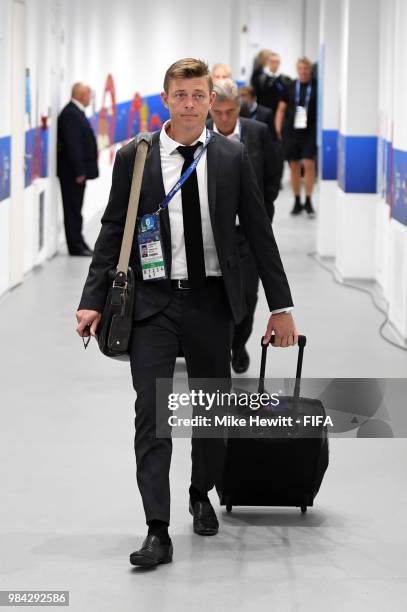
column 303, row 509
column 228, row 507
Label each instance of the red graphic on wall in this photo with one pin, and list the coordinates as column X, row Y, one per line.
column 155, row 123
column 135, row 108
column 145, row 122
column 37, row 157
column 119, row 122
column 107, row 119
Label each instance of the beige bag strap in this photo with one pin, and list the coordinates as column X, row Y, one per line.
column 142, row 144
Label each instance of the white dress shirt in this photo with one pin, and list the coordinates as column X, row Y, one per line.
column 235, row 135
column 267, row 71
column 171, row 166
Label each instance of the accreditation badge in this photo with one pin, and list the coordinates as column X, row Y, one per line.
column 300, row 119
column 151, row 248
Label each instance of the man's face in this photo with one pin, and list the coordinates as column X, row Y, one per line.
column 220, row 73
column 247, row 99
column 304, row 72
column 274, row 63
column 86, row 96
column 225, row 114
column 188, row 101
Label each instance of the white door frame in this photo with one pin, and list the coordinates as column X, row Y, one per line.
column 57, row 84
column 17, row 93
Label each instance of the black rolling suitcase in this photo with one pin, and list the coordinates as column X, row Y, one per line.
column 286, row 470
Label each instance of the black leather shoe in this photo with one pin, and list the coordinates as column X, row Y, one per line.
column 205, row 521
column 152, row 552
column 297, row 209
column 240, row 361
column 309, row 208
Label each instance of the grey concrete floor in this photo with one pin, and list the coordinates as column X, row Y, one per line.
column 70, row 511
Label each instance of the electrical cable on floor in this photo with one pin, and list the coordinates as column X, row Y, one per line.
column 314, row 256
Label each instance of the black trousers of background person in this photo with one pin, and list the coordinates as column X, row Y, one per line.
column 243, row 329
column 72, row 201
column 199, row 321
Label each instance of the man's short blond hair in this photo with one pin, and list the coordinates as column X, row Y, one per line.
column 187, row 68
column 262, row 57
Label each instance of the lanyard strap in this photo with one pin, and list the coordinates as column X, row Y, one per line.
column 184, row 176
column 297, row 94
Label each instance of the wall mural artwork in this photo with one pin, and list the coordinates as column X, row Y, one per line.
column 120, row 122
column 399, row 201
column 5, row 152
column 36, row 150
column 114, row 123
column 394, row 179
column 106, row 123
column 36, row 141
column 388, row 171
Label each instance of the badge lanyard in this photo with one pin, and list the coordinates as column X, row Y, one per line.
column 149, row 235
column 277, row 83
column 301, row 112
column 185, row 175
column 307, row 95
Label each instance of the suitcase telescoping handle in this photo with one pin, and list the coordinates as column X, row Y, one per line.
column 302, row 341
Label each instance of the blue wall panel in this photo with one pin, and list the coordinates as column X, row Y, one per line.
column 329, row 155
column 388, row 163
column 5, row 157
column 357, row 163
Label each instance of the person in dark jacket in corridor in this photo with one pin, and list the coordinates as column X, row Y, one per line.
column 76, row 163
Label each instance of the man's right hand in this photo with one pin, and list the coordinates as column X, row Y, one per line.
column 81, row 179
column 88, row 320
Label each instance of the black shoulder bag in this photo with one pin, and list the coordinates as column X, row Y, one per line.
column 114, row 329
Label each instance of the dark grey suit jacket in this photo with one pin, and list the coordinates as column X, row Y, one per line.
column 263, row 155
column 232, row 189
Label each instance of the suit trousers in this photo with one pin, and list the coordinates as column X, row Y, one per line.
column 250, row 274
column 72, row 201
column 199, row 322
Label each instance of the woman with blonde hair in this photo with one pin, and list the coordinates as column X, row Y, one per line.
column 261, row 58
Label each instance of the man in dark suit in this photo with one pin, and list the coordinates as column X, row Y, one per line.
column 76, row 163
column 195, row 305
column 267, row 166
column 268, row 82
column 251, row 109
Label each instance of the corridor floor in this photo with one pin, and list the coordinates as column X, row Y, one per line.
column 70, row 511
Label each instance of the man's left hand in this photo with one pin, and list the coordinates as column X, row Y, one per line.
column 283, row 326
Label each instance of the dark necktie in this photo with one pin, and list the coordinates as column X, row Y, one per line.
column 191, row 213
